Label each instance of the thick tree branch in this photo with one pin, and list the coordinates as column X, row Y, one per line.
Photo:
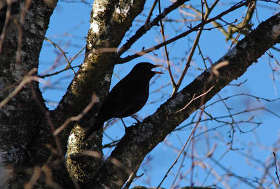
column 142, row 138
column 22, row 39
column 109, row 22
column 24, row 132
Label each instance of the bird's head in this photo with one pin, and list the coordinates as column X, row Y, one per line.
column 145, row 69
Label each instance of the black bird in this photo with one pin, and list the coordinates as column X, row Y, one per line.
column 127, row 97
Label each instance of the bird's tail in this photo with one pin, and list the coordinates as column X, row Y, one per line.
column 98, row 125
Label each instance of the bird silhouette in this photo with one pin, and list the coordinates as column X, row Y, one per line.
column 127, row 97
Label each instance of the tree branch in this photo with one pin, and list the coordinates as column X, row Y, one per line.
column 22, row 39
column 109, row 22
column 195, row 28
column 142, row 138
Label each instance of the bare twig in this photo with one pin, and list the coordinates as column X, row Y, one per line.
column 194, row 98
column 191, row 136
column 26, row 79
column 143, row 29
column 276, row 169
column 232, row 173
column 67, row 67
column 93, row 101
column 34, row 178
column 62, row 52
column 151, row 12
column 57, row 72
column 182, row 150
column 8, row 16
column 195, row 28
column 203, row 18
column 166, row 51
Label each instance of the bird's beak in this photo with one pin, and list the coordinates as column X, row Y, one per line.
column 157, row 72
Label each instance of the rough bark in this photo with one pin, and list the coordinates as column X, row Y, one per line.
column 109, row 22
column 23, row 134
column 21, row 117
column 140, row 139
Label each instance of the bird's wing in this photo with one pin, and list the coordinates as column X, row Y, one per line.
column 125, row 99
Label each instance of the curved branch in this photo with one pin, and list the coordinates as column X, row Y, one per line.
column 110, row 20
column 142, row 138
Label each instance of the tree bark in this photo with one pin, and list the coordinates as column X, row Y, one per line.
column 141, row 138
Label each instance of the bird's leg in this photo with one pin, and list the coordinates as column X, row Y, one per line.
column 135, row 117
column 125, row 127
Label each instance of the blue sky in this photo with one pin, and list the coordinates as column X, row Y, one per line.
column 68, row 28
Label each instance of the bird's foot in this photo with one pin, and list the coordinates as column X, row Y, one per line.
column 135, row 117
column 124, row 125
